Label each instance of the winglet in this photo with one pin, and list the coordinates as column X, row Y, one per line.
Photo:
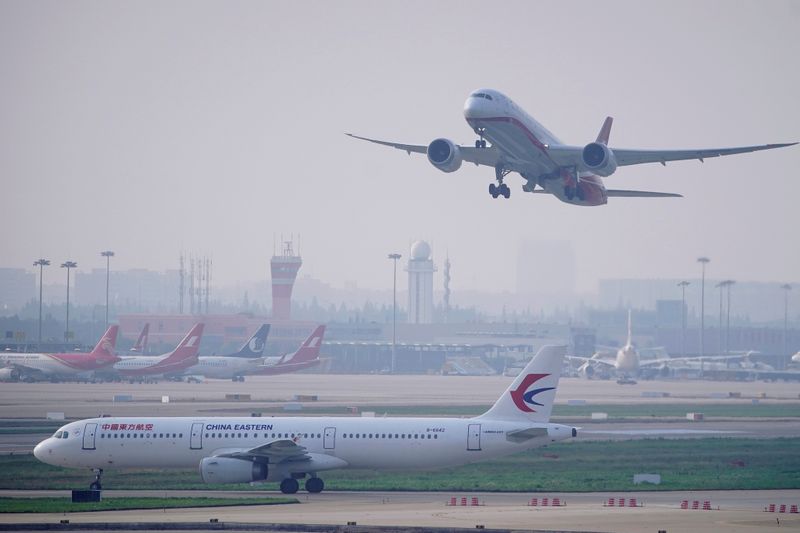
column 605, row 131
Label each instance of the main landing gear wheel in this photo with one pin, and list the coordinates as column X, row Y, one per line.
column 97, row 484
column 289, row 486
column 499, row 190
column 314, row 485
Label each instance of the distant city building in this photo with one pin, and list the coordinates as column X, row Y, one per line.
column 135, row 288
column 284, row 270
column 420, row 270
column 17, row 287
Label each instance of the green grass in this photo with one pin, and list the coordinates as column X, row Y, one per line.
column 684, row 464
column 65, row 505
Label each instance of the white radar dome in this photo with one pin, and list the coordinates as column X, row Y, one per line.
column 420, row 251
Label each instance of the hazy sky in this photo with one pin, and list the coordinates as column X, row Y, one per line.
column 152, row 127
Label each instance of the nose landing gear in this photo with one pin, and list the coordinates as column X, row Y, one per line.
column 96, row 484
column 480, row 143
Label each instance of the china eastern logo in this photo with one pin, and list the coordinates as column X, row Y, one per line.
column 524, row 398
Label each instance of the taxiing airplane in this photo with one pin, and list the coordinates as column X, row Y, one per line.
column 573, row 174
column 306, row 356
column 236, row 365
column 62, row 365
column 285, row 449
column 174, row 362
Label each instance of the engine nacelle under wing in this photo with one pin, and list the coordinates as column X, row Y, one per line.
column 230, row 470
column 599, row 158
column 444, row 155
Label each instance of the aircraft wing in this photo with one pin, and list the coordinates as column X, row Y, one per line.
column 571, row 156
column 488, row 156
column 612, row 193
column 584, row 360
column 277, row 451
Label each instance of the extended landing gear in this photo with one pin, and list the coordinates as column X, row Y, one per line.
column 289, row 486
column 314, row 485
column 501, row 189
column 96, row 484
column 480, row 143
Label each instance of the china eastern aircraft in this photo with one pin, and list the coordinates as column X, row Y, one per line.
column 62, row 365
column 172, row 363
column 287, row 449
column 236, row 365
column 573, row 174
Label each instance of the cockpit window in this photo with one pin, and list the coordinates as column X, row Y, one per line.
column 482, row 95
column 66, row 435
column 58, row 434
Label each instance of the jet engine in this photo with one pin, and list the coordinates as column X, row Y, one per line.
column 229, row 470
column 598, row 158
column 9, row 374
column 444, row 155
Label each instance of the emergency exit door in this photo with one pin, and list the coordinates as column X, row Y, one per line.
column 474, row 437
column 88, row 436
column 196, row 439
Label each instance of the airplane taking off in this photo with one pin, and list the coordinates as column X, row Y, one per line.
column 174, row 362
column 55, row 365
column 236, row 365
column 573, row 174
column 285, row 449
column 306, row 356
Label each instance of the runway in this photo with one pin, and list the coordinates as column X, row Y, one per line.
column 740, row 511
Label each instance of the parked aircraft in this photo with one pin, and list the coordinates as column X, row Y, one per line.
column 285, row 449
column 61, row 365
column 573, row 174
column 141, row 343
column 174, row 362
column 306, row 356
column 236, row 365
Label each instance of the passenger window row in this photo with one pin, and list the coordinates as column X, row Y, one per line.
column 141, row 435
column 417, row 436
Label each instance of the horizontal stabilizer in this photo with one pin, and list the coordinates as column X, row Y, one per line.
column 641, row 194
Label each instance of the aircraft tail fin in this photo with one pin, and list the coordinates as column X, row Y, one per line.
column 105, row 346
column 530, row 396
column 254, row 347
column 630, row 330
column 141, row 342
column 188, row 347
column 308, row 351
column 605, row 131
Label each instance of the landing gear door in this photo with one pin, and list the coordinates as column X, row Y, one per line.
column 89, row 431
column 196, row 440
column 474, row 437
column 329, row 440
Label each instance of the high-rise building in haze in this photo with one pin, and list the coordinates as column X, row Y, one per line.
column 420, row 270
column 284, row 268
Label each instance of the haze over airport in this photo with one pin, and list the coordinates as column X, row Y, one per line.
column 154, row 128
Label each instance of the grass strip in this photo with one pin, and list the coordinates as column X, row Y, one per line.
column 65, row 505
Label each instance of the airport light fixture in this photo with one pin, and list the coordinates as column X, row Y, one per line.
column 683, row 285
column 41, row 263
column 703, row 261
column 68, row 265
column 786, row 288
column 728, row 283
column 108, row 254
column 394, row 258
column 721, row 287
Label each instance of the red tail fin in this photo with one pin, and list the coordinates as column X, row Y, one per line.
column 105, row 346
column 188, row 346
column 308, row 351
column 605, row 131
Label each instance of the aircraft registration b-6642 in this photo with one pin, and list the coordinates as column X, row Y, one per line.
column 520, row 144
column 286, row 449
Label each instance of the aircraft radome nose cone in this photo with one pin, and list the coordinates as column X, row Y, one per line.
column 38, row 451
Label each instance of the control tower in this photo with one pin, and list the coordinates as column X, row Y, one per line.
column 284, row 269
column 420, row 284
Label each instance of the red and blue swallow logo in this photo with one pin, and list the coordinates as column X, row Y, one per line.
column 524, row 398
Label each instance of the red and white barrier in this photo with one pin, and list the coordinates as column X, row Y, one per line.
column 696, row 505
column 547, row 502
column 782, row 508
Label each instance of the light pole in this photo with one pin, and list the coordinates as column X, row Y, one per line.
column 394, row 258
column 720, row 286
column 108, row 254
column 728, row 283
column 68, row 265
column 786, row 288
column 683, row 285
column 41, row 263
column 703, row 261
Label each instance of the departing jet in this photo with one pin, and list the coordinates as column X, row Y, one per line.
column 172, row 363
column 285, row 449
column 62, row 365
column 306, row 356
column 573, row 174
column 236, row 365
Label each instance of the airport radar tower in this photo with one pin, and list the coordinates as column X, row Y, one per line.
column 284, row 268
column 420, row 284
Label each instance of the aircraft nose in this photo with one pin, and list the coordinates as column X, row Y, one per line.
column 39, row 451
column 473, row 107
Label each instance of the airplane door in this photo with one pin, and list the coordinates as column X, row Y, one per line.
column 474, row 437
column 89, row 431
column 329, row 440
column 196, row 440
